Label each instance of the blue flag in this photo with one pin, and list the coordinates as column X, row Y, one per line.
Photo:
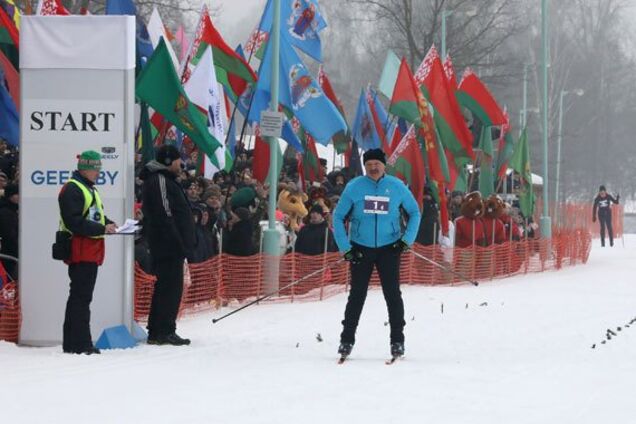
column 143, row 44
column 383, row 116
column 363, row 130
column 9, row 120
column 240, row 52
column 300, row 22
column 299, row 93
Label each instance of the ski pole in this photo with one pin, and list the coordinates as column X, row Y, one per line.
column 459, row 274
column 324, row 268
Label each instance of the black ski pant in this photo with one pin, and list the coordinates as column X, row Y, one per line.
column 166, row 297
column 77, row 319
column 387, row 262
column 605, row 220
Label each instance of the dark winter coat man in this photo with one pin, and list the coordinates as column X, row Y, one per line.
column 311, row 237
column 429, row 224
column 82, row 215
column 372, row 204
column 241, row 233
column 9, row 228
column 603, row 204
column 169, row 227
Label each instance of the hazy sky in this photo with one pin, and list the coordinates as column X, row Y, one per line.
column 237, row 18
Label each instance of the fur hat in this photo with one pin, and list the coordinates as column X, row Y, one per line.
column 166, row 154
column 374, row 154
column 602, row 188
column 472, row 205
column 494, row 206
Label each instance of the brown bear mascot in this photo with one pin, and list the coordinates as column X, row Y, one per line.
column 494, row 228
column 469, row 227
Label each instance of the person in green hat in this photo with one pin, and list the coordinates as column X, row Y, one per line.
column 82, row 215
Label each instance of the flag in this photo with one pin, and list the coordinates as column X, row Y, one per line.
column 389, row 74
column 406, row 163
column 505, row 148
column 260, row 165
column 9, row 40
column 301, row 22
column 183, row 42
column 452, row 129
column 340, row 141
column 449, row 71
column 310, row 162
column 520, row 162
column 231, row 69
column 51, row 7
column 157, row 31
column 363, row 131
column 486, row 182
column 299, row 93
column 204, row 91
column 12, row 77
column 159, row 86
column 9, row 121
column 120, row 7
column 380, row 119
column 144, row 139
column 12, row 11
column 352, row 159
column 473, row 94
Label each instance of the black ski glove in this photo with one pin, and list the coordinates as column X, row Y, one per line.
column 400, row 246
column 353, row 255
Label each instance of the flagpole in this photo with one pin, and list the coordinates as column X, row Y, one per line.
column 272, row 236
column 546, row 222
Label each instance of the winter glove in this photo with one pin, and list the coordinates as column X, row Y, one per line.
column 354, row 256
column 400, row 246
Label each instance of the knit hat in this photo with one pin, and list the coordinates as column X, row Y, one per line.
column 316, row 208
column 89, row 160
column 243, row 197
column 374, row 154
column 166, row 154
column 10, row 190
column 602, row 188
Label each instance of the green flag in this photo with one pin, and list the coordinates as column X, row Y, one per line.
column 146, row 147
column 159, row 86
column 486, row 182
column 520, row 162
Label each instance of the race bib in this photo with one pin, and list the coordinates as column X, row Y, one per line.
column 376, row 204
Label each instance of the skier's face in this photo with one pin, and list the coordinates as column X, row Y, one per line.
column 374, row 169
column 602, row 193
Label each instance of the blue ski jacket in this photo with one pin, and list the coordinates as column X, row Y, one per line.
column 373, row 210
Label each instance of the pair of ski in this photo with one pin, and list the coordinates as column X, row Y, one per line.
column 390, row 361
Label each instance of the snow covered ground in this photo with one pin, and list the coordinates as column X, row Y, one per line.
column 510, row 351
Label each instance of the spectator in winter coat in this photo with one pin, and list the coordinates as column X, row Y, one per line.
column 426, row 234
column 603, row 204
column 169, row 226
column 311, row 237
column 9, row 227
column 82, row 215
column 241, row 231
column 455, row 205
column 204, row 247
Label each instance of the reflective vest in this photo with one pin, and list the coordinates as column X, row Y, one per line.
column 93, row 209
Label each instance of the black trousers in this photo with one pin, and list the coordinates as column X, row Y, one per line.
column 605, row 220
column 166, row 297
column 77, row 319
column 387, row 262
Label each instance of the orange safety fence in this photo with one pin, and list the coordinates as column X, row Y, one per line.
column 231, row 281
column 579, row 215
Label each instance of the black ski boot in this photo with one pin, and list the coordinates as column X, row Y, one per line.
column 397, row 349
column 344, row 350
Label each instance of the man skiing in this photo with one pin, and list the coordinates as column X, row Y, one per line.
column 603, row 203
column 372, row 205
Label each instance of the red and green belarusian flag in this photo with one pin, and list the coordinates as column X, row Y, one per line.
column 341, row 141
column 473, row 94
column 309, row 165
column 520, row 162
column 451, row 127
column 231, row 69
column 261, row 163
column 456, row 170
column 406, row 162
column 9, row 40
column 158, row 85
column 505, row 148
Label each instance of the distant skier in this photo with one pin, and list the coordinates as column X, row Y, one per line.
column 603, row 203
column 372, row 204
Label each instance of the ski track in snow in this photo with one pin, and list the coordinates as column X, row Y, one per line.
column 525, row 357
